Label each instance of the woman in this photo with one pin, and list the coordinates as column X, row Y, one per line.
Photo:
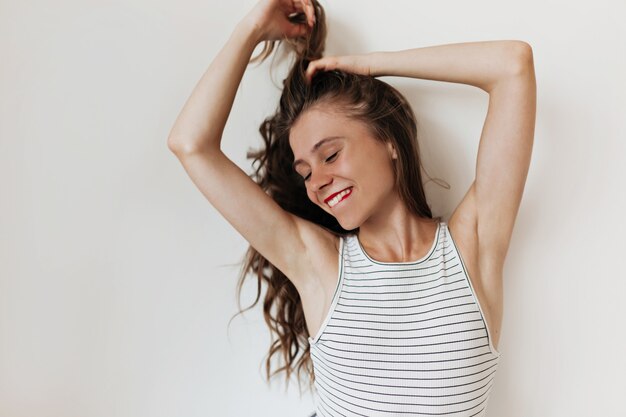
column 396, row 312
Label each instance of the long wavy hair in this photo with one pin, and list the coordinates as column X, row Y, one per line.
column 389, row 118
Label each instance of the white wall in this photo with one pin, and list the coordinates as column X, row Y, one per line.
column 117, row 278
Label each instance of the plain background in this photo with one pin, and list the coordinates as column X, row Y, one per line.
column 117, row 277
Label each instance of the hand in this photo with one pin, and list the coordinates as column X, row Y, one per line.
column 275, row 18
column 356, row 64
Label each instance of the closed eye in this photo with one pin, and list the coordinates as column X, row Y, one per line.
column 329, row 159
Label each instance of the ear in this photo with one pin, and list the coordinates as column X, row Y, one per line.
column 392, row 150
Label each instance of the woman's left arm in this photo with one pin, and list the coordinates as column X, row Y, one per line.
column 481, row 64
column 505, row 70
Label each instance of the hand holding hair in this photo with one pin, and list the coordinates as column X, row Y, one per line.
column 355, row 64
column 277, row 19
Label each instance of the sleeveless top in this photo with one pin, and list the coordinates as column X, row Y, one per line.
column 403, row 338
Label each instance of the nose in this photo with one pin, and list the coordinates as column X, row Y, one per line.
column 319, row 179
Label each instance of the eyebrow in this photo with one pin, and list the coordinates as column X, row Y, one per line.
column 315, row 148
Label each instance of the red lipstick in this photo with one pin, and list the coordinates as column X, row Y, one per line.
column 330, row 197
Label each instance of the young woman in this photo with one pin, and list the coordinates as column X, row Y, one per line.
column 395, row 312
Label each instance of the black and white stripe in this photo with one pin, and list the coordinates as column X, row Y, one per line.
column 403, row 339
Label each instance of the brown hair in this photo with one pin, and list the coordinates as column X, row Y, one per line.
column 389, row 117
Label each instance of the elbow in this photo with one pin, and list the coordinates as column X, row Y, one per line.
column 522, row 62
column 172, row 145
column 182, row 147
column 178, row 147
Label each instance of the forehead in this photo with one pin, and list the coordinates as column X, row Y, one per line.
column 316, row 124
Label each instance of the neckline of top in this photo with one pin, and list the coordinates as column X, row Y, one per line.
column 422, row 259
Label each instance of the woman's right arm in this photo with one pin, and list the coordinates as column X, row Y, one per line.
column 195, row 139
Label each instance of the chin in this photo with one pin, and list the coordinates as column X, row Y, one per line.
column 348, row 224
column 346, row 221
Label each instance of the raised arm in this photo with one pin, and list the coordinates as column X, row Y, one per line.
column 505, row 70
column 196, row 135
column 480, row 64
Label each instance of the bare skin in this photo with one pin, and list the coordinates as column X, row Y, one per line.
column 481, row 224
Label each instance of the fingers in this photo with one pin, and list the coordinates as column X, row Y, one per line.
column 311, row 10
column 310, row 71
column 307, row 7
column 313, row 67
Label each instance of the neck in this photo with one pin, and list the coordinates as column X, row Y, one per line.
column 396, row 234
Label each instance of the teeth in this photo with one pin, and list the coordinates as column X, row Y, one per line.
column 337, row 198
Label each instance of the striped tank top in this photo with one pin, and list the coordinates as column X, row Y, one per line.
column 403, row 339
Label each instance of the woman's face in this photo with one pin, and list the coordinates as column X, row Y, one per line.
column 336, row 154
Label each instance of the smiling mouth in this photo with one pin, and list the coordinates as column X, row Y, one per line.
column 339, row 197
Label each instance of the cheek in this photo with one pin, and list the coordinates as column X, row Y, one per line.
column 378, row 174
